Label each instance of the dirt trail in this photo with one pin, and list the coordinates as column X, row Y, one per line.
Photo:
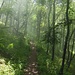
column 32, row 65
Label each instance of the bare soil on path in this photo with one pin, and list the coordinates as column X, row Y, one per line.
column 32, row 64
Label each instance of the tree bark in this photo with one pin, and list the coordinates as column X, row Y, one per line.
column 38, row 24
column 7, row 15
column 48, row 27
column 71, row 55
column 53, row 47
column 1, row 7
column 66, row 40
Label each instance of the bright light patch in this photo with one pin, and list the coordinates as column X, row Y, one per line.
column 73, row 0
column 73, row 52
column 0, row 2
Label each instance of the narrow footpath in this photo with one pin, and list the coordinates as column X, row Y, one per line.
column 32, row 64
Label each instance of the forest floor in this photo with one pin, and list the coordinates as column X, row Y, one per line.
column 32, row 62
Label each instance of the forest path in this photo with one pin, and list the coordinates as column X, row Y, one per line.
column 32, row 64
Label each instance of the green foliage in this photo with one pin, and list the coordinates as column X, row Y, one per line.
column 6, row 69
column 48, row 36
column 45, row 65
column 1, row 24
column 28, row 15
column 10, row 46
column 42, row 2
column 14, row 48
column 67, row 73
column 42, row 61
column 1, row 46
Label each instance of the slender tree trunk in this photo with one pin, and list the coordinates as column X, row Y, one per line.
column 38, row 24
column 53, row 47
column 1, row 7
column 26, row 18
column 66, row 39
column 6, row 19
column 71, row 55
column 68, row 52
column 10, row 24
column 17, row 27
column 49, row 26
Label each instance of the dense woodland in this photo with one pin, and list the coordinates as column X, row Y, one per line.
column 50, row 24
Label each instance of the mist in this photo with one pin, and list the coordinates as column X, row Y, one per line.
column 38, row 34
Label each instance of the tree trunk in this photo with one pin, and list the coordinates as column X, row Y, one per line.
column 71, row 55
column 38, row 24
column 1, row 7
column 17, row 27
column 49, row 26
column 6, row 19
column 26, row 18
column 53, row 47
column 66, row 40
column 68, row 45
